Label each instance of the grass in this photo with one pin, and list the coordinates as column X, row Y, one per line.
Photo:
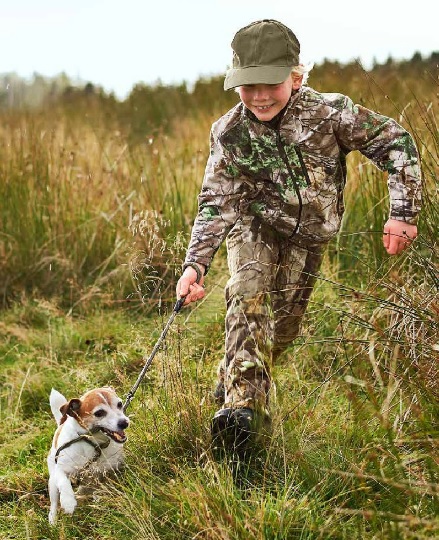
column 87, row 285
column 354, row 435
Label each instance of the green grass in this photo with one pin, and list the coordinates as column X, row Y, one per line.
column 91, row 245
column 353, row 452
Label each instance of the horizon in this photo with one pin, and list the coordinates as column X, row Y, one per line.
column 80, row 84
column 116, row 47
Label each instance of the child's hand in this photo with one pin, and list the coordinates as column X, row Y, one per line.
column 398, row 235
column 187, row 285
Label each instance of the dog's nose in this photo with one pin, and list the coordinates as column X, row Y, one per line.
column 122, row 424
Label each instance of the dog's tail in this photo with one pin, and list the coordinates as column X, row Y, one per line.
column 57, row 400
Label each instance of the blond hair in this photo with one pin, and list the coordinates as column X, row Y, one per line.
column 302, row 70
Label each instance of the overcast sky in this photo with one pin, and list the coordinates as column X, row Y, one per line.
column 118, row 43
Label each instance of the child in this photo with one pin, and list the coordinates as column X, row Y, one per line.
column 273, row 187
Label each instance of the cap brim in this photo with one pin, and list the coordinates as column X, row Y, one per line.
column 256, row 75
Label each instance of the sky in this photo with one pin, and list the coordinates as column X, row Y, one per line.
column 119, row 43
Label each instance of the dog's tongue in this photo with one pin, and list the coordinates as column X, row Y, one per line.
column 119, row 435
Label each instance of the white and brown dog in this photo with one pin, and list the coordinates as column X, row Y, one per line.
column 88, row 442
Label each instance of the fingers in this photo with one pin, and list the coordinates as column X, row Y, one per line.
column 398, row 235
column 396, row 243
column 188, row 287
column 196, row 292
column 386, row 238
column 391, row 244
column 192, row 291
column 182, row 288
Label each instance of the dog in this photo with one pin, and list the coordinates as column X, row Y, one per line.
column 88, row 443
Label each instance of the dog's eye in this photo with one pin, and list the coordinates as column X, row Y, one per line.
column 120, row 405
column 100, row 413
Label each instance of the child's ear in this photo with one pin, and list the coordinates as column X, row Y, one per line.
column 297, row 81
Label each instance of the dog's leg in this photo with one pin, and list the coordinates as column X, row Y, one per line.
column 67, row 495
column 54, row 499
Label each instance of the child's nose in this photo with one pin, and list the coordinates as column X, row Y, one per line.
column 260, row 92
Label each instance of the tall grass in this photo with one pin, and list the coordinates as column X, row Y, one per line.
column 75, row 175
column 100, row 218
column 72, row 198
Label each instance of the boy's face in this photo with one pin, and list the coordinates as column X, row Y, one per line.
column 267, row 100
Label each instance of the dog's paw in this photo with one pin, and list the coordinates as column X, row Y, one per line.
column 52, row 517
column 68, row 503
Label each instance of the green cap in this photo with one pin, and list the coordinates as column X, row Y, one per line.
column 263, row 53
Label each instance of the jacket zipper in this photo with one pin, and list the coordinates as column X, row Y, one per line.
column 284, row 157
column 302, row 164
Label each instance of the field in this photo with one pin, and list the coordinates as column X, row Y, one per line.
column 98, row 197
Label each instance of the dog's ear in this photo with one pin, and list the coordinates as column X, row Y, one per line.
column 70, row 409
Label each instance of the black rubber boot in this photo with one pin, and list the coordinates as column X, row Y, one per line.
column 232, row 429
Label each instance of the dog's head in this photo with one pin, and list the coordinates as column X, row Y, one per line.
column 100, row 408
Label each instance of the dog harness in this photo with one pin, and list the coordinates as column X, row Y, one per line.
column 88, row 438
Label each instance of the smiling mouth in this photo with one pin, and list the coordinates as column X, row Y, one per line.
column 263, row 107
column 117, row 436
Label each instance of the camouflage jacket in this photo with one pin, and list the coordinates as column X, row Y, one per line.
column 293, row 176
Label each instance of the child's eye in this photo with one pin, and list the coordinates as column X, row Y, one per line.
column 100, row 413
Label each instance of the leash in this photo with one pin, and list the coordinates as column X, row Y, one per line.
column 148, row 361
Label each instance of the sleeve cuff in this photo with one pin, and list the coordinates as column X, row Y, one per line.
column 412, row 220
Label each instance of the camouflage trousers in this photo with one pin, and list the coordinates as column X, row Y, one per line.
column 271, row 280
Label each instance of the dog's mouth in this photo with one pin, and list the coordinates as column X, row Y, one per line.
column 117, row 436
